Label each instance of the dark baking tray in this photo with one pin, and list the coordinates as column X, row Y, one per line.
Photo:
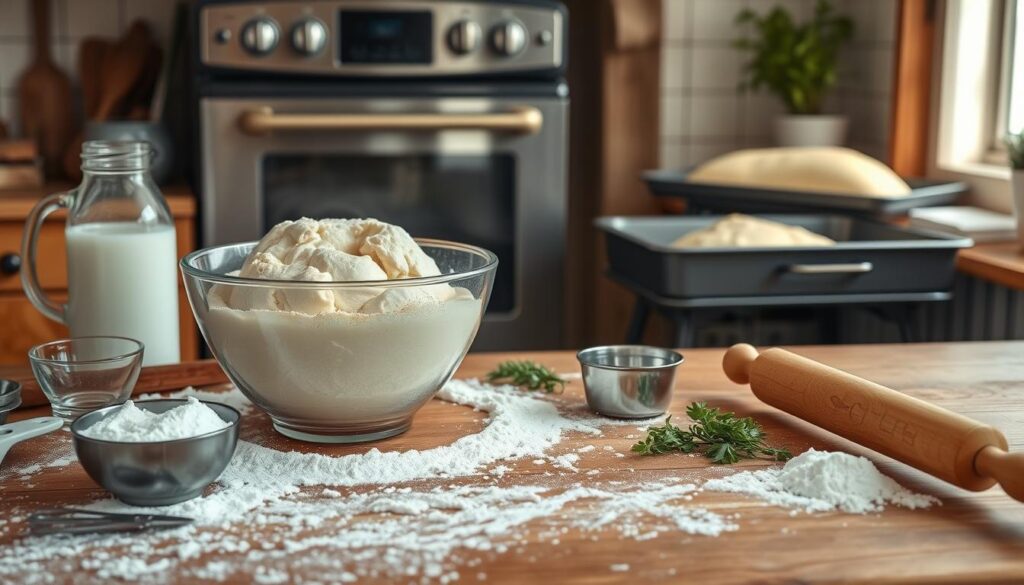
column 710, row 197
column 901, row 259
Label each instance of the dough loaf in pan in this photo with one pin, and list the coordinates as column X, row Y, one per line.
column 823, row 169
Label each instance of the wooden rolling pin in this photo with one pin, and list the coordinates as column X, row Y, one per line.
column 945, row 444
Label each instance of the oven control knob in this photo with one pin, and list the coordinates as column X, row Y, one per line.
column 508, row 38
column 260, row 35
column 309, row 36
column 464, row 37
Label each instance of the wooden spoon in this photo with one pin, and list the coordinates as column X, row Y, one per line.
column 123, row 69
column 44, row 93
column 91, row 56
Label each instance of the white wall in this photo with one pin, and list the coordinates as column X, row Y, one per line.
column 71, row 21
column 703, row 115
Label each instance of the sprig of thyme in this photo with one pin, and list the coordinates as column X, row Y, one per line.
column 720, row 436
column 527, row 374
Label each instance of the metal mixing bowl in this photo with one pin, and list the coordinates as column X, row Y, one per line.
column 10, row 398
column 629, row 381
column 159, row 473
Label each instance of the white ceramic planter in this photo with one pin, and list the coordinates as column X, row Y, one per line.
column 1017, row 184
column 810, row 130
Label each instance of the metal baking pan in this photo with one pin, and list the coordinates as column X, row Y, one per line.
column 728, row 198
column 869, row 257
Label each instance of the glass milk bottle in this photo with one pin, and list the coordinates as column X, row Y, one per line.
column 121, row 249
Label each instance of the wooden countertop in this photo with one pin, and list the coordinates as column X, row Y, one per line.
column 16, row 203
column 971, row 538
column 1001, row 263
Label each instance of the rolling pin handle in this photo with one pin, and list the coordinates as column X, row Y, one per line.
column 1005, row 468
column 737, row 362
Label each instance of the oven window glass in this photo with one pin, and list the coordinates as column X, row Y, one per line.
column 469, row 199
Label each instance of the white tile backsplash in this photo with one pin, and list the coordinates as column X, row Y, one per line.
column 675, row 112
column 676, row 19
column 715, row 116
column 760, row 109
column 704, row 151
column 675, row 67
column 713, row 20
column 875, row 20
column 701, row 70
column 883, row 62
column 675, row 153
column 716, row 67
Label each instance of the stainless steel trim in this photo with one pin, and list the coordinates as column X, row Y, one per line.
column 218, row 50
column 846, row 268
column 264, row 120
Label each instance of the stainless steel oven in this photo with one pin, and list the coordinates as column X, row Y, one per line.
column 395, row 119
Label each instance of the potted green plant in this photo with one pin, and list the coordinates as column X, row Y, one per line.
column 1015, row 149
column 797, row 62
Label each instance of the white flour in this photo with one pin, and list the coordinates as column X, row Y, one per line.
column 401, row 528
column 818, row 481
column 131, row 424
column 275, row 516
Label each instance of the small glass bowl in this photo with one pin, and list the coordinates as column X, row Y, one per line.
column 81, row 374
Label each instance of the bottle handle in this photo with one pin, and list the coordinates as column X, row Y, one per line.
column 29, row 245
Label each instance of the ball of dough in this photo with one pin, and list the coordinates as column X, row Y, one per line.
column 744, row 231
column 827, row 169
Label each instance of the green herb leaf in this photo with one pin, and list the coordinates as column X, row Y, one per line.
column 719, row 436
column 796, row 61
column 527, row 374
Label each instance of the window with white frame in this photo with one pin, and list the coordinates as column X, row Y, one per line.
column 1011, row 94
column 978, row 95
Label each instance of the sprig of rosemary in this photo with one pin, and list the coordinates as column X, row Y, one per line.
column 720, row 436
column 527, row 374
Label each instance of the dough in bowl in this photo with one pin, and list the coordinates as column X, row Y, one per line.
column 822, row 169
column 744, row 231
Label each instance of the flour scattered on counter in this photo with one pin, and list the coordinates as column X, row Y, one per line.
column 413, row 529
column 386, row 532
column 819, row 481
column 619, row 567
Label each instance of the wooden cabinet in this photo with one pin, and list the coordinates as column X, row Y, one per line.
column 23, row 325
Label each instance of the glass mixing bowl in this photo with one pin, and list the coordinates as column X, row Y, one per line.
column 339, row 376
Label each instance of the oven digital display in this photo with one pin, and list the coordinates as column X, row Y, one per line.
column 386, row 37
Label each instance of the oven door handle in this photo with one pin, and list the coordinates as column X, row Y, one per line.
column 260, row 121
column 850, row 268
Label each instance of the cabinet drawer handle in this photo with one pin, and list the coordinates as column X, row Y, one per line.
column 850, row 268
column 10, row 263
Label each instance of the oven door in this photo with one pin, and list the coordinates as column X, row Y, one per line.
column 488, row 172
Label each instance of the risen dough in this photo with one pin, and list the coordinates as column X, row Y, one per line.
column 744, row 231
column 823, row 169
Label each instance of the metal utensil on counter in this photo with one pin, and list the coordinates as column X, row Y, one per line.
column 162, row 472
column 77, row 521
column 23, row 430
column 10, row 398
column 14, row 433
column 629, row 381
